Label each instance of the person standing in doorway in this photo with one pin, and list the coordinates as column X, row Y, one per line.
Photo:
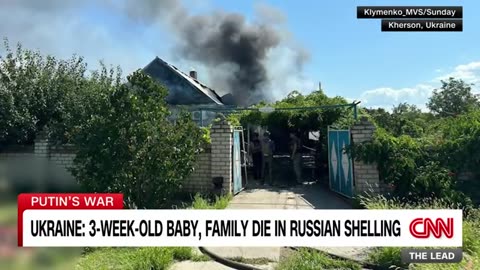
column 257, row 156
column 268, row 147
column 296, row 148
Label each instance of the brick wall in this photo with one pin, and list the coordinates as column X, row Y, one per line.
column 366, row 175
column 40, row 167
column 61, row 155
column 222, row 141
column 43, row 162
column 11, row 161
column 201, row 178
column 215, row 161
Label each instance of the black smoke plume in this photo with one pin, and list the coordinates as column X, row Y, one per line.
column 226, row 40
column 234, row 51
column 252, row 60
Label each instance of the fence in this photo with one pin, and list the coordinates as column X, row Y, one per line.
column 45, row 167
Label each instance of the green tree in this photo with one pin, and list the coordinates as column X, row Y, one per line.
column 408, row 110
column 381, row 117
column 33, row 92
column 82, row 101
column 453, row 98
column 405, row 119
column 129, row 146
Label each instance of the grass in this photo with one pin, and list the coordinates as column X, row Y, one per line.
column 8, row 214
column 126, row 258
column 200, row 202
column 381, row 202
column 469, row 263
column 155, row 258
column 390, row 256
column 312, row 260
column 200, row 258
column 387, row 257
column 32, row 258
column 251, row 261
column 42, row 259
column 148, row 258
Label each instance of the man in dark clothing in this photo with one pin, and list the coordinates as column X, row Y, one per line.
column 257, row 155
column 296, row 150
column 268, row 147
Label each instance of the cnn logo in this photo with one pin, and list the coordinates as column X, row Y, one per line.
column 424, row 227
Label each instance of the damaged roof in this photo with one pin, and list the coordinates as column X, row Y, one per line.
column 157, row 71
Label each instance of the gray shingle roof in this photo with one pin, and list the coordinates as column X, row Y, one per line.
column 210, row 93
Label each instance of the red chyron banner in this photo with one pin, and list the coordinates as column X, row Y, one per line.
column 79, row 201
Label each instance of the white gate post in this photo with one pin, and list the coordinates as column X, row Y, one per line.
column 222, row 142
column 366, row 175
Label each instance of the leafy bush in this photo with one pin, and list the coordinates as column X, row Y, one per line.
column 234, row 119
column 36, row 91
column 460, row 147
column 434, row 180
column 396, row 158
column 461, row 142
column 412, row 166
column 82, row 102
column 471, row 237
column 423, row 154
column 129, row 146
column 42, row 93
column 206, row 135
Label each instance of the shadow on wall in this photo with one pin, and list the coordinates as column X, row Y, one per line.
column 33, row 174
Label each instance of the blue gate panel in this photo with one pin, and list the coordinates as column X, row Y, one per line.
column 333, row 159
column 345, row 164
column 237, row 165
column 340, row 162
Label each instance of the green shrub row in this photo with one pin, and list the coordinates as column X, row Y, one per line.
column 429, row 166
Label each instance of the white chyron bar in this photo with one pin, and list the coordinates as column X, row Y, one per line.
column 136, row 228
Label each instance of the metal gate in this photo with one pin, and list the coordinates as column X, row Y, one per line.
column 239, row 160
column 340, row 163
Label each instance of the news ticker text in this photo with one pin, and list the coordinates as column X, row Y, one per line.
column 242, row 228
column 415, row 18
column 449, row 255
column 409, row 12
column 422, row 26
column 91, row 220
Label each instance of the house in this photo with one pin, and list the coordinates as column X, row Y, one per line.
column 185, row 91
